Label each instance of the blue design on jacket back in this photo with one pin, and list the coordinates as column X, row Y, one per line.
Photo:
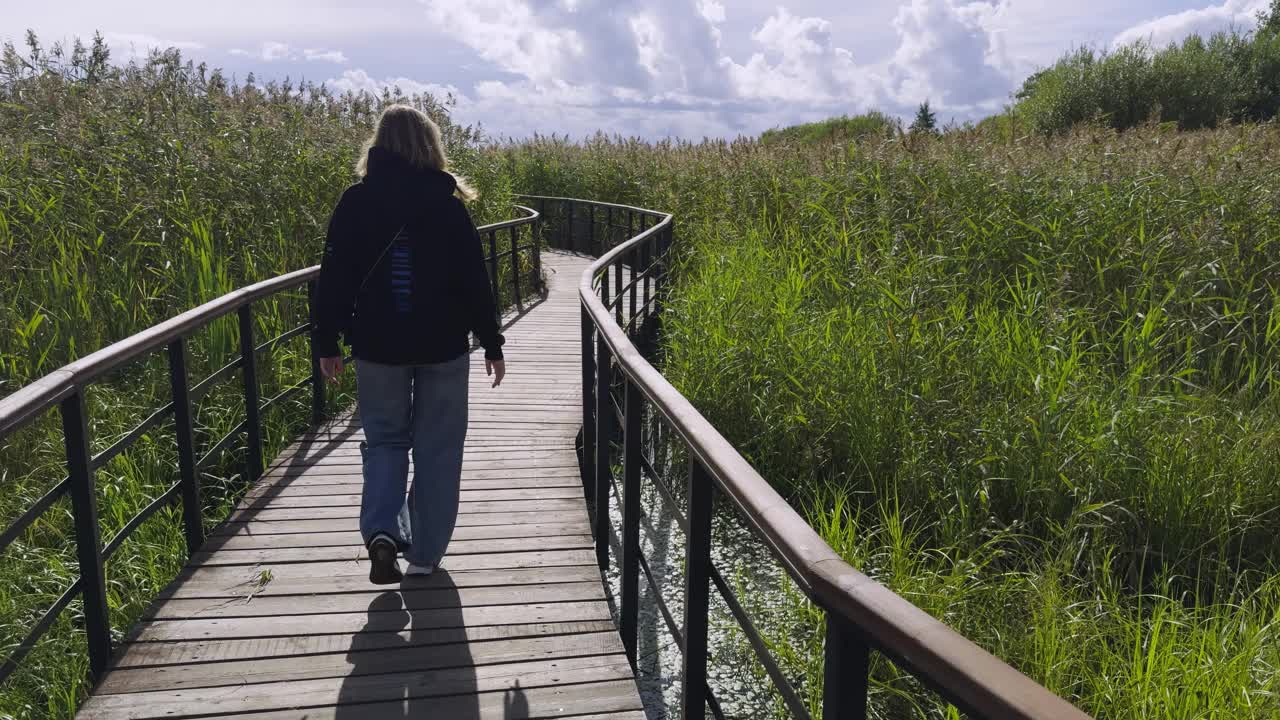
column 402, row 273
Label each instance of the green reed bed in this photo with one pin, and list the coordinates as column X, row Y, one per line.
column 128, row 195
column 1029, row 385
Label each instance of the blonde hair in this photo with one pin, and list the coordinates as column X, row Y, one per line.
column 409, row 133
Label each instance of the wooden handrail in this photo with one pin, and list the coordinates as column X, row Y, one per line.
column 65, row 388
column 962, row 672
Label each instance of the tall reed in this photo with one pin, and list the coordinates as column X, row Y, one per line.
column 129, row 194
column 1029, row 385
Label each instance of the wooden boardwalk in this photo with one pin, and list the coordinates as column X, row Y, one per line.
column 275, row 617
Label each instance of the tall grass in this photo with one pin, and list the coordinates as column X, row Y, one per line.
column 1028, row 385
column 129, row 194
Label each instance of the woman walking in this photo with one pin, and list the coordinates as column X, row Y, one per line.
column 403, row 279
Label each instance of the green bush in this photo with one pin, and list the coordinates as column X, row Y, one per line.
column 867, row 126
column 1197, row 83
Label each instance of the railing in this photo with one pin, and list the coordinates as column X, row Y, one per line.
column 622, row 295
column 65, row 388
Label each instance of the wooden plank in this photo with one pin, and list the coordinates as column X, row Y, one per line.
column 558, row 412
column 348, row 513
column 271, row 509
column 411, row 599
column 356, row 556
column 296, row 579
column 313, row 453
column 352, row 538
column 523, row 402
column 547, row 507
column 265, row 530
column 346, row 455
column 139, row 655
column 371, row 621
column 476, row 458
column 523, row 439
column 564, row 465
column 355, row 483
column 464, row 554
column 359, row 688
column 324, row 497
column 559, row 467
column 357, row 660
column 550, row 435
column 600, row 700
column 561, row 560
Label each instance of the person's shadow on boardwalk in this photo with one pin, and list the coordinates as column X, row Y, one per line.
column 411, row 659
column 515, row 706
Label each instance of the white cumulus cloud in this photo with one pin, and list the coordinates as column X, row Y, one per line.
column 273, row 51
column 358, row 80
column 798, row 61
column 139, row 45
column 948, row 52
column 1160, row 31
column 578, row 61
column 513, row 35
column 320, row 54
column 711, row 10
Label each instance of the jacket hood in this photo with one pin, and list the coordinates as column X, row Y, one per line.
column 389, row 169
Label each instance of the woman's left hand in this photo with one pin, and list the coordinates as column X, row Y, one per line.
column 331, row 368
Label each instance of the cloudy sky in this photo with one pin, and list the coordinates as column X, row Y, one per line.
column 652, row 68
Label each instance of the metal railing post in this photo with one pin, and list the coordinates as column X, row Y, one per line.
column 539, row 225
column 845, row 672
column 646, row 255
column 493, row 266
column 317, row 379
column 567, row 243
column 697, row 563
column 618, row 296
column 588, row 404
column 635, row 270
column 631, row 517
column 84, row 508
column 604, row 433
column 591, row 230
column 609, row 234
column 252, row 401
column 192, row 516
column 664, row 247
column 515, row 262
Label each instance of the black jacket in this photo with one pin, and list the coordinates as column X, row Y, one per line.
column 429, row 288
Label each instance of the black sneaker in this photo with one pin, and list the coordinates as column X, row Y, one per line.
column 383, row 568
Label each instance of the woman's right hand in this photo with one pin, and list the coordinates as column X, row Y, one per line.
column 331, row 368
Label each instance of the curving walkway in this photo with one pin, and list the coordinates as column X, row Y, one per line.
column 275, row 617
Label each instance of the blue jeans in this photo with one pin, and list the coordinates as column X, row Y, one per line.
column 422, row 408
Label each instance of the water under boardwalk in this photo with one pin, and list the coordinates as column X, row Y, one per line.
column 275, row 616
